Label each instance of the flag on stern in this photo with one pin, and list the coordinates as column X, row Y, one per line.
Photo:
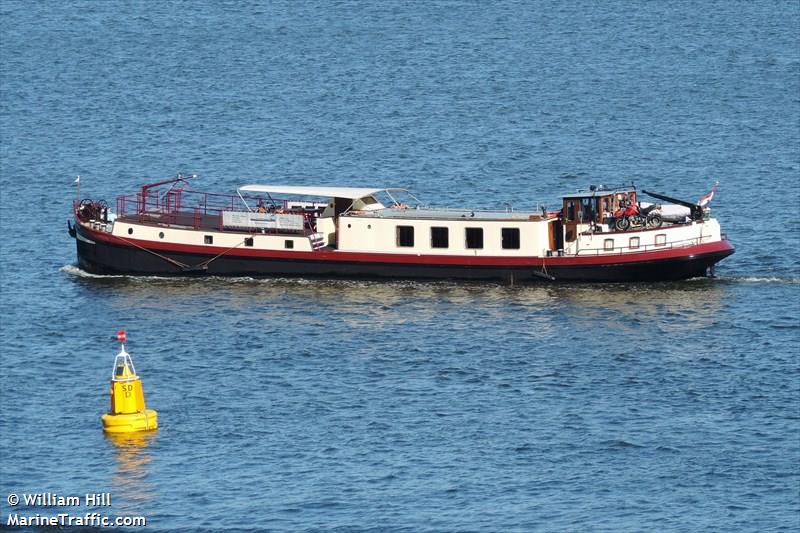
column 702, row 202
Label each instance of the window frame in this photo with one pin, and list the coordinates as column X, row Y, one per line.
column 446, row 232
column 569, row 212
column 515, row 240
column 474, row 231
column 400, row 237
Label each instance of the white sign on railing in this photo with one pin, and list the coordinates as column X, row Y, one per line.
column 243, row 219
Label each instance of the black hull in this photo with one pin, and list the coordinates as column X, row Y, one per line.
column 110, row 259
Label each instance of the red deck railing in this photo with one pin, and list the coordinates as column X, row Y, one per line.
column 196, row 209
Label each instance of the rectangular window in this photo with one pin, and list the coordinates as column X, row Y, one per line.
column 474, row 238
column 633, row 244
column 587, row 210
column 208, row 239
column 440, row 238
column 570, row 210
column 661, row 239
column 405, row 236
column 248, row 241
column 288, row 244
column 510, row 238
column 608, row 245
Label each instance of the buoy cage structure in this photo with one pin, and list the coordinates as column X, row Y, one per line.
column 128, row 410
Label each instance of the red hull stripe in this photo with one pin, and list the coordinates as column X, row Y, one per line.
column 456, row 260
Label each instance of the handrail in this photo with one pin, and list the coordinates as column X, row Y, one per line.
column 153, row 201
column 463, row 209
column 194, row 209
column 646, row 247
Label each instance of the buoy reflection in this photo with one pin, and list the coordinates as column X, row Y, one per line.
column 130, row 485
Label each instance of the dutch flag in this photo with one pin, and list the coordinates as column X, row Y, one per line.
column 702, row 202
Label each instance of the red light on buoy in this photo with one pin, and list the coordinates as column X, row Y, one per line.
column 121, row 337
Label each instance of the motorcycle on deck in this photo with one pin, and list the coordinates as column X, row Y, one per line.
column 634, row 216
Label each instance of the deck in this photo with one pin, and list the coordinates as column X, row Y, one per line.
column 447, row 214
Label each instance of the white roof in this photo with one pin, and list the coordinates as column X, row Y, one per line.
column 329, row 192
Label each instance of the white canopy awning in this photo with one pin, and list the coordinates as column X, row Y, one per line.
column 328, row 192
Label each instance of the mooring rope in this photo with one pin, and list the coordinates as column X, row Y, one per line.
column 182, row 266
column 205, row 264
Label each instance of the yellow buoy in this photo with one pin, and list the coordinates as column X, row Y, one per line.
column 128, row 410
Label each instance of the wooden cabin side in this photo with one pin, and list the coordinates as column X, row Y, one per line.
column 582, row 212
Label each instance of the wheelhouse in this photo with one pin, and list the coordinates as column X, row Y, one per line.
column 594, row 207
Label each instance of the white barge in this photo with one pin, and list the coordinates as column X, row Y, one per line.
column 604, row 234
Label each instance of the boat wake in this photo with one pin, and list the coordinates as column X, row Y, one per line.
column 76, row 271
column 760, row 279
column 73, row 270
column 299, row 283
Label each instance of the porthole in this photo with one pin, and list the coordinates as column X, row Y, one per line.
column 130, row 231
column 349, row 226
column 160, row 234
column 369, row 226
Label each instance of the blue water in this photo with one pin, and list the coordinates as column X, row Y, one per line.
column 313, row 405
